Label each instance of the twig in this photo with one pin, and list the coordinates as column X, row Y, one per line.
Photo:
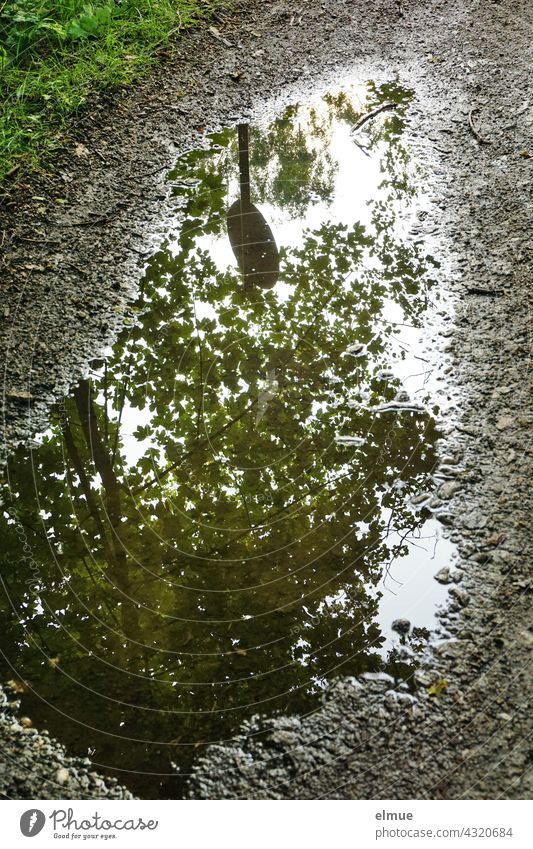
column 12, row 170
column 150, row 173
column 215, row 33
column 77, row 268
column 361, row 147
column 478, row 138
column 368, row 117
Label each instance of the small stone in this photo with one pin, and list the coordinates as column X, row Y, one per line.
column 481, row 556
column 420, row 498
column 460, row 596
column 448, row 489
column 496, row 539
column 449, row 648
column 450, row 471
column 26, row 722
column 19, row 395
column 473, row 520
column 470, row 430
column 401, row 626
column 377, row 676
column 448, row 460
column 62, row 775
column 504, row 422
column 443, row 576
column 457, row 576
column 445, row 518
column 284, row 738
column 526, row 638
column 423, row 678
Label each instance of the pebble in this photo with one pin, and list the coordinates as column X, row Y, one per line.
column 62, row 775
column 443, row 576
column 460, row 595
column 377, row 676
column 449, row 648
column 284, row 738
column 448, row 489
column 504, row 422
column 446, row 518
column 420, row 498
column 481, row 556
column 474, row 520
column 449, row 471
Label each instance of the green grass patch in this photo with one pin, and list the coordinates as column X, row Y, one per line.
column 55, row 53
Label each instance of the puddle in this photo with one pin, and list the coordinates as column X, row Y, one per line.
column 218, row 520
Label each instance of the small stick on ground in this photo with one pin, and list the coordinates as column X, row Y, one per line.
column 38, row 241
column 478, row 138
column 368, row 117
column 12, row 171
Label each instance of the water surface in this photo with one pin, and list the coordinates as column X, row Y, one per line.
column 218, row 520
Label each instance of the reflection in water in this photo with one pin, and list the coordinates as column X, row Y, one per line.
column 213, row 510
column 250, row 236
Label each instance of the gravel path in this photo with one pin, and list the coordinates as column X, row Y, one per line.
column 68, row 260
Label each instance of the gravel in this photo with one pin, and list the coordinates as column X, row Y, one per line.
column 33, row 765
column 463, row 734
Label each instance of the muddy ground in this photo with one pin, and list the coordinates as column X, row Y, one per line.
column 71, row 264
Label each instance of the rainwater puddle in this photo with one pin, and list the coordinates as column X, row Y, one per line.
column 219, row 516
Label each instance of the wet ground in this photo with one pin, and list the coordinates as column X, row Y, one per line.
column 234, row 507
column 458, row 727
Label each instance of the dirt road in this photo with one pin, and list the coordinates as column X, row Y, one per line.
column 71, row 264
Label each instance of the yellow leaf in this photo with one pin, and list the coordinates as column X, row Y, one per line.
column 16, row 686
column 438, row 688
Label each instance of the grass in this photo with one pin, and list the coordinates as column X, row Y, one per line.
column 55, row 53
